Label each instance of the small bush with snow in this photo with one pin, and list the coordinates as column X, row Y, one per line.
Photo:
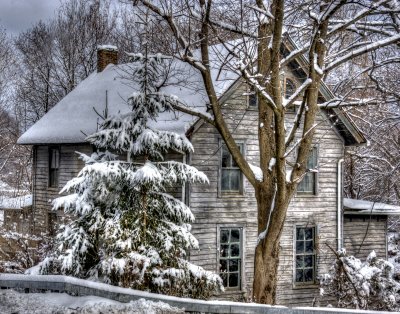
column 129, row 230
column 20, row 251
column 368, row 286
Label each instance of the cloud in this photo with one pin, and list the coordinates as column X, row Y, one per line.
column 19, row 15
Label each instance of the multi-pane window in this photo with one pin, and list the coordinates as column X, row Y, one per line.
column 305, row 255
column 309, row 182
column 54, row 165
column 231, row 177
column 230, row 256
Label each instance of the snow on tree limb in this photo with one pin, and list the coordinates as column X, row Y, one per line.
column 296, row 94
column 360, row 51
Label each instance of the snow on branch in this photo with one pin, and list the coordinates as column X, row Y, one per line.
column 265, row 14
column 296, row 94
column 356, row 18
column 292, row 55
column 337, row 102
column 316, row 66
column 253, row 82
column 188, row 56
column 225, row 26
column 179, row 106
column 258, row 174
column 360, row 51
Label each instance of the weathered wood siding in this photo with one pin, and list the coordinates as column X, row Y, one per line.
column 212, row 210
column 363, row 234
column 43, row 195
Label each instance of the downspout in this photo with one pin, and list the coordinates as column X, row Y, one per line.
column 34, row 184
column 183, row 198
column 339, row 203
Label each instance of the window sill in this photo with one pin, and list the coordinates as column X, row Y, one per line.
column 232, row 290
column 237, row 295
column 305, row 194
column 231, row 195
column 255, row 108
column 297, row 286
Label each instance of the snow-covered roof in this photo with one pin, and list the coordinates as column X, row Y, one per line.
column 362, row 207
column 74, row 117
column 18, row 202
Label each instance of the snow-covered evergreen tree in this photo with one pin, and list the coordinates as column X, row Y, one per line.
column 368, row 286
column 129, row 231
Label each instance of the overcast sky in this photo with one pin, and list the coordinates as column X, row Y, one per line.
column 19, row 15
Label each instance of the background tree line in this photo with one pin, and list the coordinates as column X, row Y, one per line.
column 39, row 66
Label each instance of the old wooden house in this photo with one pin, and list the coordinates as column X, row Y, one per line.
column 225, row 210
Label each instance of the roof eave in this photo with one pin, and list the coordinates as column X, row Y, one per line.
column 369, row 213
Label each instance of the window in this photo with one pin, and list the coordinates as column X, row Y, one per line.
column 54, row 165
column 290, row 88
column 231, row 176
column 230, row 256
column 309, row 183
column 253, row 103
column 305, row 255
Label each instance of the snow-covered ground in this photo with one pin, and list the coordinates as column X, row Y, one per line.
column 51, row 303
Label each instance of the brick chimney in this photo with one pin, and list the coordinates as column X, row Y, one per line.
column 106, row 54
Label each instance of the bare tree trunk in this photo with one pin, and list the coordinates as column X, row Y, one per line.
column 266, row 259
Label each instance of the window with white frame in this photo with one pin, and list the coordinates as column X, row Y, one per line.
column 54, row 165
column 305, row 255
column 308, row 184
column 230, row 256
column 231, row 176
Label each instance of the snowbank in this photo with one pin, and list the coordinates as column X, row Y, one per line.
column 46, row 303
column 58, row 282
